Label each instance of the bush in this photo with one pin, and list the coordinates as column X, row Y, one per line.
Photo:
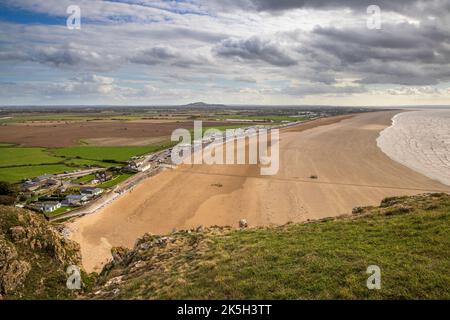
column 7, row 200
column 7, row 189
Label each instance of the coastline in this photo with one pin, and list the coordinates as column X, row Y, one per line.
column 401, row 139
column 352, row 171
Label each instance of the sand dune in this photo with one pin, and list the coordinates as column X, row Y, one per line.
column 351, row 172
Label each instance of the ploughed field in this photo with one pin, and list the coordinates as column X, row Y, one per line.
column 63, row 134
column 34, row 147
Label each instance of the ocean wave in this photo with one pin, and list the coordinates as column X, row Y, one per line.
column 420, row 140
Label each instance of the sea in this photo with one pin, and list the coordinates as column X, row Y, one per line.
column 420, row 140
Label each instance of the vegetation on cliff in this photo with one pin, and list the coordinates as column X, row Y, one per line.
column 33, row 257
column 407, row 237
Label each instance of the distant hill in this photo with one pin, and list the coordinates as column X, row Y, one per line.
column 202, row 105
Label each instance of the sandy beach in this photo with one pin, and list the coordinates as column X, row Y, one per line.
column 352, row 171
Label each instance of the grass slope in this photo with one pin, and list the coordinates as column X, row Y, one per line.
column 16, row 174
column 119, row 154
column 408, row 238
column 17, row 163
column 115, row 181
column 25, row 156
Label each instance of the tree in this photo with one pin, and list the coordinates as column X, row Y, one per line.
column 8, row 189
column 7, row 200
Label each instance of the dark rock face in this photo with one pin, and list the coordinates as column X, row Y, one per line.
column 13, row 271
column 29, row 245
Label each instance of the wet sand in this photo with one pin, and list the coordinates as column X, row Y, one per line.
column 352, row 171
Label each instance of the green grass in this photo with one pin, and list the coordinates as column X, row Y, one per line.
column 25, row 156
column 84, row 162
column 63, row 117
column 18, row 163
column 119, row 154
column 16, row 174
column 58, row 212
column 274, row 118
column 409, row 240
column 84, row 179
column 115, row 181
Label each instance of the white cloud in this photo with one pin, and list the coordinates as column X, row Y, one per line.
column 168, row 51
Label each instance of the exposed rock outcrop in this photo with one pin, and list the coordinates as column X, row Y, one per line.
column 33, row 256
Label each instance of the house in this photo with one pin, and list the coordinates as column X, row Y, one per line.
column 51, row 206
column 103, row 176
column 139, row 165
column 75, row 199
column 46, row 206
column 43, row 178
column 30, row 186
column 52, row 182
column 92, row 192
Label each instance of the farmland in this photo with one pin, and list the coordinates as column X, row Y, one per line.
column 56, row 140
column 16, row 174
column 14, row 156
column 269, row 118
column 113, row 154
column 115, row 181
column 67, row 134
column 19, row 163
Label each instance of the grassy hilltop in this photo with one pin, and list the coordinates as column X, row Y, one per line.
column 407, row 237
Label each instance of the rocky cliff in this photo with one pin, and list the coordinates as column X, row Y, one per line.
column 33, row 257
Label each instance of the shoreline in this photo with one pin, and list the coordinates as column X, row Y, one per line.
column 352, row 171
column 390, row 142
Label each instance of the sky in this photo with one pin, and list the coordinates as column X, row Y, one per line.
column 258, row 52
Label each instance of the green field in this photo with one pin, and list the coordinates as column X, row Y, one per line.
column 84, row 162
column 115, row 181
column 16, row 174
column 58, row 212
column 119, row 154
column 274, row 118
column 17, row 163
column 17, row 156
column 66, row 117
column 84, row 179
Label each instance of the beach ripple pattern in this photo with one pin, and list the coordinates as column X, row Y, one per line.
column 420, row 140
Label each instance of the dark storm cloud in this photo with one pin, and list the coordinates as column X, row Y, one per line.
column 73, row 56
column 400, row 54
column 320, row 88
column 154, row 56
column 169, row 56
column 254, row 49
column 388, row 5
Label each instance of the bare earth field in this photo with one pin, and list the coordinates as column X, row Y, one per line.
column 342, row 152
column 63, row 134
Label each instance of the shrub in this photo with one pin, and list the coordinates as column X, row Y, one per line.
column 7, row 200
column 7, row 189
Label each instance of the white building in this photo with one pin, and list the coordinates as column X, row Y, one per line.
column 50, row 206
column 75, row 199
column 91, row 191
